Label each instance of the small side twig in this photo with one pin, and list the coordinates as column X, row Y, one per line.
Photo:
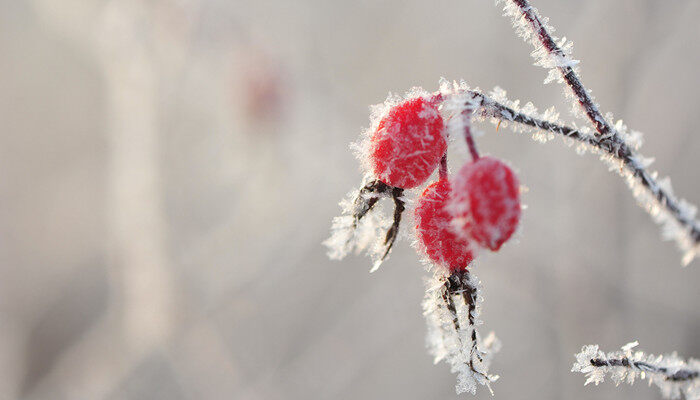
column 677, row 376
column 673, row 375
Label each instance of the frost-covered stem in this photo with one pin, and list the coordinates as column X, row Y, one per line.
column 551, row 52
column 676, row 376
column 452, row 307
column 567, row 71
column 610, row 144
column 454, row 285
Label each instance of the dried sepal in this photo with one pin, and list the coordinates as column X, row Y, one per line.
column 363, row 226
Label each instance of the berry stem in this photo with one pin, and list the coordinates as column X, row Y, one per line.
column 442, row 173
column 470, row 139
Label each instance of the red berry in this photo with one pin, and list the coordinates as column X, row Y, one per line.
column 435, row 233
column 408, row 143
column 486, row 202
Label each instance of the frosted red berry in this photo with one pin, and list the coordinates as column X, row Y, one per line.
column 435, row 234
column 408, row 143
column 486, row 202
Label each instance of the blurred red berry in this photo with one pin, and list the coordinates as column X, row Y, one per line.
column 436, row 236
column 408, row 143
column 486, row 202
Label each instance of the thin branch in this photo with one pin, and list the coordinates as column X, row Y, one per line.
column 677, row 376
column 610, row 139
column 610, row 144
column 674, row 376
column 567, row 71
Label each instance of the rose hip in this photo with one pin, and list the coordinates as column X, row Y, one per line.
column 408, row 143
column 486, row 202
column 434, row 230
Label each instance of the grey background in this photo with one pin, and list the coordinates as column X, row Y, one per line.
column 160, row 239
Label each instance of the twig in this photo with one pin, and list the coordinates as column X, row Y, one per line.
column 674, row 376
column 567, row 71
column 679, row 375
column 610, row 144
column 610, row 140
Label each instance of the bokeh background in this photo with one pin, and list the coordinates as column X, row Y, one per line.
column 169, row 169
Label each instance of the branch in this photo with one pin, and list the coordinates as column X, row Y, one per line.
column 656, row 196
column 555, row 54
column 671, row 374
column 678, row 376
column 561, row 60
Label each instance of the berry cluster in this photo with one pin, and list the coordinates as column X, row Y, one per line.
column 455, row 217
column 478, row 208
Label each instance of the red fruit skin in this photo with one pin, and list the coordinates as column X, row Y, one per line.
column 434, row 230
column 408, row 144
column 486, row 202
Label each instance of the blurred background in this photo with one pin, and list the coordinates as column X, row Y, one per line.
column 169, row 169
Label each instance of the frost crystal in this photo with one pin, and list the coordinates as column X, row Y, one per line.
column 671, row 374
column 451, row 307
